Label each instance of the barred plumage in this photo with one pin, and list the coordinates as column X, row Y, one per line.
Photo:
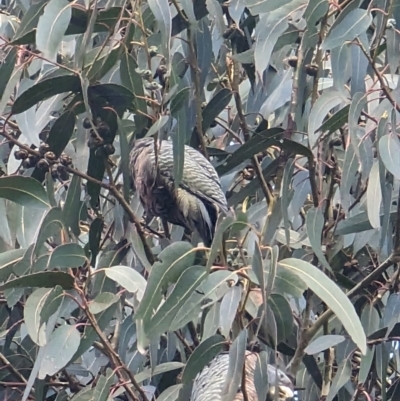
column 209, row 383
column 198, row 199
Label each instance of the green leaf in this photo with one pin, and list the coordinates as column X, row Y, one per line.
column 67, row 256
column 237, row 354
column 124, row 131
column 62, row 346
column 332, row 295
column 95, row 231
column 389, row 153
column 329, row 99
column 213, row 288
column 104, row 63
column 90, row 335
column 41, row 279
column 179, row 99
column 322, row 343
column 7, row 260
column 223, row 223
column 171, row 393
column 44, row 90
column 365, row 365
column 133, row 81
column 162, row 368
column 23, row 190
column 52, row 224
column 215, row 106
column 342, row 376
column 359, row 223
column 258, row 142
column 7, row 68
column 374, row 196
column 162, row 13
column 187, row 283
column 29, row 22
column 102, row 302
column 172, row 261
column 201, row 356
column 261, row 380
column 270, row 28
column 52, row 26
column 315, row 223
column 228, row 309
column 283, row 316
column 53, row 302
column 352, row 25
column 128, row 278
column 32, row 315
column 336, row 121
column 103, row 386
column 61, row 132
column 119, row 97
column 72, row 206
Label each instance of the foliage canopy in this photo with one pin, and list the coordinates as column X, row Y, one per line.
column 295, row 102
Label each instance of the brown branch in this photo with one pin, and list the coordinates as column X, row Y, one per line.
column 11, row 368
column 246, row 131
column 309, row 333
column 116, row 361
column 198, row 91
column 384, row 87
column 112, row 188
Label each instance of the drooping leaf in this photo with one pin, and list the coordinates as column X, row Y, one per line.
column 315, row 224
column 235, row 369
column 332, row 295
column 7, row 68
column 162, row 13
column 29, row 21
column 67, row 256
column 23, row 190
column 63, row 344
column 389, row 152
column 187, row 283
column 51, row 27
column 258, row 142
column 172, row 261
column 128, row 278
column 52, row 223
column 352, row 25
column 374, row 196
column 201, row 356
column 102, row 302
column 61, row 132
column 72, row 206
column 324, row 342
column 133, row 81
column 45, row 89
column 214, row 107
column 41, row 279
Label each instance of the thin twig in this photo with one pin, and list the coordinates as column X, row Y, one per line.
column 113, row 190
column 309, row 333
column 115, row 359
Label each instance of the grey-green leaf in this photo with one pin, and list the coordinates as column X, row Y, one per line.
column 62, row 346
column 315, row 223
column 332, row 295
column 25, row 191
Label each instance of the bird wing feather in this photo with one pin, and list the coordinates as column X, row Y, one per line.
column 199, row 176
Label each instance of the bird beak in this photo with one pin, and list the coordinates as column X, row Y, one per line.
column 285, row 392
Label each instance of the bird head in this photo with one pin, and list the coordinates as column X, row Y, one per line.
column 285, row 385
